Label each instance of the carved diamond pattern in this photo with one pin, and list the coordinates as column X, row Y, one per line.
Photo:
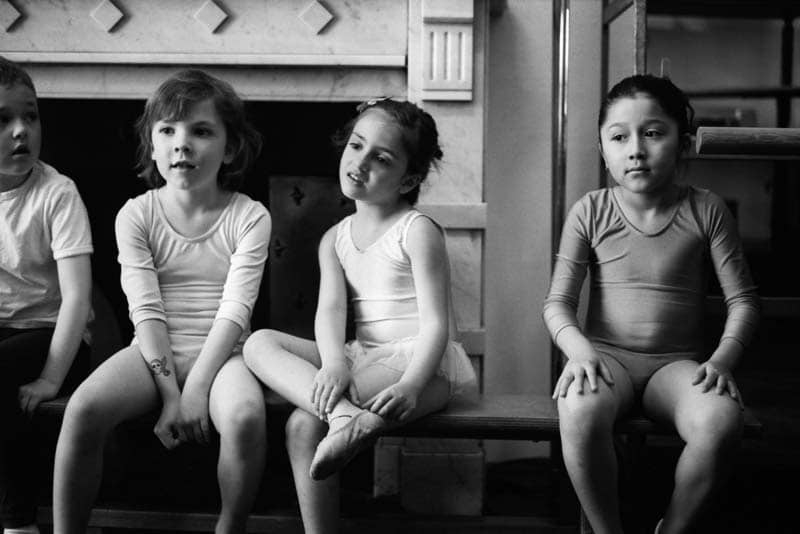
column 8, row 14
column 107, row 15
column 210, row 15
column 316, row 16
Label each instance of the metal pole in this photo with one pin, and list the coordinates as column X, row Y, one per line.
column 559, row 163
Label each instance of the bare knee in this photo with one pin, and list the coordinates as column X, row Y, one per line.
column 303, row 431
column 582, row 416
column 87, row 415
column 245, row 424
column 260, row 344
column 716, row 424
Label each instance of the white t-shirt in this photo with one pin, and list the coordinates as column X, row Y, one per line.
column 41, row 221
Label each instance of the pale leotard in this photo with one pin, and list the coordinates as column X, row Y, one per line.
column 648, row 290
column 381, row 287
column 190, row 282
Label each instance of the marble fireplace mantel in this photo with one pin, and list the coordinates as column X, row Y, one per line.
column 301, row 50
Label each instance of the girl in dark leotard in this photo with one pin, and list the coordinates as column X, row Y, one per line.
column 646, row 243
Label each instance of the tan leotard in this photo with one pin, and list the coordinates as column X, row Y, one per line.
column 647, row 290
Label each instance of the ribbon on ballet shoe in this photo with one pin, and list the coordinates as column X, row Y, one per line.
column 339, row 447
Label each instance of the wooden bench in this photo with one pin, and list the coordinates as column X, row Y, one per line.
column 522, row 417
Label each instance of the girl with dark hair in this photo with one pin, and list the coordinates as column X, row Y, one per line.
column 390, row 260
column 647, row 244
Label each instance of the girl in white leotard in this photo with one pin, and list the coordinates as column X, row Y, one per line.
column 391, row 262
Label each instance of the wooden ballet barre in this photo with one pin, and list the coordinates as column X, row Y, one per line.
column 748, row 141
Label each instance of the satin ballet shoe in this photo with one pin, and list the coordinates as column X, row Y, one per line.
column 338, row 448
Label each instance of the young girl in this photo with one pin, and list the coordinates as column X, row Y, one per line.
column 391, row 261
column 647, row 242
column 45, row 286
column 192, row 252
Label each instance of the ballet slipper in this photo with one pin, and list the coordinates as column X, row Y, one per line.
column 338, row 448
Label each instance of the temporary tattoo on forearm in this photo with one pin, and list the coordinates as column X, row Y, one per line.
column 159, row 367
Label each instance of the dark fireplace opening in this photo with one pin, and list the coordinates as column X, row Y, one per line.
column 94, row 143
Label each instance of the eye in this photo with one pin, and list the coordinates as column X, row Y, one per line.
column 383, row 160
column 355, row 145
column 32, row 116
column 653, row 133
column 166, row 129
column 617, row 137
column 203, row 132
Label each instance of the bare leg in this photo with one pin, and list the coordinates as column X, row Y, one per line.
column 288, row 365
column 710, row 424
column 319, row 500
column 586, row 423
column 342, row 444
column 237, row 409
column 120, row 389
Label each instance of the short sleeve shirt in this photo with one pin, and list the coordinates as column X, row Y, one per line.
column 41, row 221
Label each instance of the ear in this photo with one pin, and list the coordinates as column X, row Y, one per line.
column 410, row 182
column 230, row 153
column 602, row 155
column 686, row 143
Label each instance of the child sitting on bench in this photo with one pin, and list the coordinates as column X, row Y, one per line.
column 646, row 243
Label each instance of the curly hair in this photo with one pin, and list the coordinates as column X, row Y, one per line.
column 174, row 99
column 420, row 137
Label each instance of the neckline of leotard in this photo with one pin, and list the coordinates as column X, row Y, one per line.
column 682, row 196
column 380, row 238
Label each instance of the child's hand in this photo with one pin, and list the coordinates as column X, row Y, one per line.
column 34, row 393
column 168, row 428
column 194, row 414
column 396, row 402
column 717, row 376
column 580, row 368
column 330, row 383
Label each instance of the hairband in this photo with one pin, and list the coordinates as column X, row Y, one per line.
column 369, row 103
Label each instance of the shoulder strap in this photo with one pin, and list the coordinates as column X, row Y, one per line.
column 410, row 217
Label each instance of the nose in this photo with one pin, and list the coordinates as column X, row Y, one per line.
column 19, row 129
column 636, row 148
column 181, row 142
column 362, row 162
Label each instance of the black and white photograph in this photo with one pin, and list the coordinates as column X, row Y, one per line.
column 399, row 266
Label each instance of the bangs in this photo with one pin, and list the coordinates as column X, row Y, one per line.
column 175, row 105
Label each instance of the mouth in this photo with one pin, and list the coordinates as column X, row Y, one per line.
column 183, row 165
column 355, row 178
column 637, row 169
column 21, row 150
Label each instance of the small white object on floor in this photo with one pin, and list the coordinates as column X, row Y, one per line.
column 30, row 529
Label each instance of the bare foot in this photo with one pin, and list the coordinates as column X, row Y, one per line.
column 343, row 443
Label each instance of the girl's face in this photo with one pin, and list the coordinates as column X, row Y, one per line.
column 190, row 151
column 640, row 145
column 374, row 162
column 20, row 130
